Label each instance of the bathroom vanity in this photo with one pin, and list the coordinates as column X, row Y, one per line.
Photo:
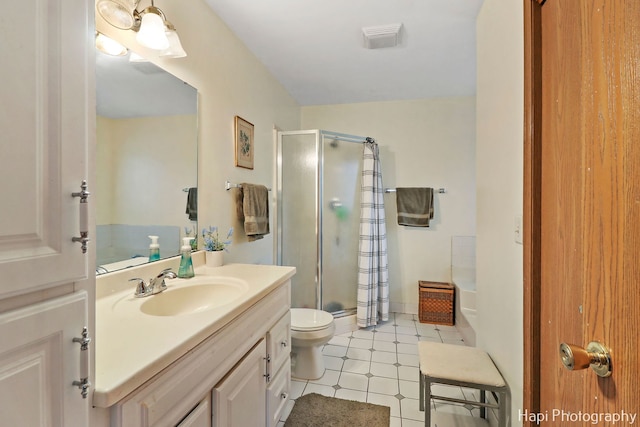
column 211, row 350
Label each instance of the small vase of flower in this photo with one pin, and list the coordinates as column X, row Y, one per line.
column 214, row 246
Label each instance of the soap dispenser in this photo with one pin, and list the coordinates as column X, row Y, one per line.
column 186, row 264
column 154, row 249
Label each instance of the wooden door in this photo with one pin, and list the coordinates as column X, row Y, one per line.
column 584, row 170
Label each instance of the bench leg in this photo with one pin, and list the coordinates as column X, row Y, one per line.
column 427, row 402
column 502, row 411
column 421, row 387
column 483, row 399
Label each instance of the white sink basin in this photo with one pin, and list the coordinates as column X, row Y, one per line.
column 190, row 299
column 187, row 297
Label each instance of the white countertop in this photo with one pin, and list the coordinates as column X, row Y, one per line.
column 131, row 347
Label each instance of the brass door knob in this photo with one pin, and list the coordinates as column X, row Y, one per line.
column 596, row 356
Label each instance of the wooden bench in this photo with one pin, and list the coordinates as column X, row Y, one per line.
column 465, row 367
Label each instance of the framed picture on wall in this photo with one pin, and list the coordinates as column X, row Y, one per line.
column 244, row 143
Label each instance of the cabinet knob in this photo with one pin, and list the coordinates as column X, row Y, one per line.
column 284, row 396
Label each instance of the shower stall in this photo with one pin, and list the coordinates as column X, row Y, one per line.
column 318, row 220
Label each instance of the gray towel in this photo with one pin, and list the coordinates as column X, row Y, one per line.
column 192, row 204
column 415, row 206
column 253, row 208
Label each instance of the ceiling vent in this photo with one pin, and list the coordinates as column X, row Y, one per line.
column 381, row 36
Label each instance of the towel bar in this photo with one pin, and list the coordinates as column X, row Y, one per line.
column 393, row 190
column 228, row 185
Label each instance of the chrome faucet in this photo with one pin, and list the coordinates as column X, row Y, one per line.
column 155, row 286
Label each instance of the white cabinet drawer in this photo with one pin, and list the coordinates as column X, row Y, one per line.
column 279, row 344
column 278, row 394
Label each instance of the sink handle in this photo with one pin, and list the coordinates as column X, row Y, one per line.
column 167, row 273
column 141, row 287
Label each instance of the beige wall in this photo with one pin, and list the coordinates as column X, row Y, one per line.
column 104, row 189
column 230, row 81
column 143, row 164
column 430, row 143
column 499, row 188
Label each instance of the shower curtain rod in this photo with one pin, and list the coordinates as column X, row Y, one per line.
column 345, row 137
column 393, row 190
column 330, row 134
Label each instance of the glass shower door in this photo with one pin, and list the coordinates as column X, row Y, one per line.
column 319, row 217
column 340, row 223
column 297, row 226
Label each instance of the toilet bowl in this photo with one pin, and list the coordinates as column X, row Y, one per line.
column 310, row 330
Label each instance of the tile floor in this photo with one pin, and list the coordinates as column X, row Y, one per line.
column 380, row 365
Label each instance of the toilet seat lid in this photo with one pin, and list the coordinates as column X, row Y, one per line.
column 309, row 319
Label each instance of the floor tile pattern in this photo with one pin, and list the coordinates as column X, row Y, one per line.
column 380, row 365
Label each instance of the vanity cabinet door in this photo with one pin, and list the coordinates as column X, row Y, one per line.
column 46, row 128
column 279, row 344
column 278, row 394
column 200, row 416
column 240, row 398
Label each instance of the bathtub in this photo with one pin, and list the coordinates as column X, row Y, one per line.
column 464, row 279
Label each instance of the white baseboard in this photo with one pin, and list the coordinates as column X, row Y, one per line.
column 401, row 307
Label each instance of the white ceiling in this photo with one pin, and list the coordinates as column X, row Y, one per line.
column 314, row 47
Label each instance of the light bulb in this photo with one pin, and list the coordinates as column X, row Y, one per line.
column 175, row 49
column 109, row 46
column 118, row 13
column 152, row 31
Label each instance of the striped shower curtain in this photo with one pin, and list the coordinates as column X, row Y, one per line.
column 373, row 273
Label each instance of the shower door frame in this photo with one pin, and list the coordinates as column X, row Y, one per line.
column 319, row 200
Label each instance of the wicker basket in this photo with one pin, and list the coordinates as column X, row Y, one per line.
column 436, row 302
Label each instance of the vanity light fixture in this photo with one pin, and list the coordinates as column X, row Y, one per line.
column 109, row 46
column 118, row 13
column 175, row 49
column 154, row 30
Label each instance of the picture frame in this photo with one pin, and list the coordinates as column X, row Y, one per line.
column 244, row 143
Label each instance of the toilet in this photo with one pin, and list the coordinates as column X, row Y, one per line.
column 310, row 330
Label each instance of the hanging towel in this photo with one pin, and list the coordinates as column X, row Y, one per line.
column 415, row 206
column 253, row 208
column 192, row 204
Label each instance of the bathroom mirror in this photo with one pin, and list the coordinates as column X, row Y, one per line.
column 146, row 161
